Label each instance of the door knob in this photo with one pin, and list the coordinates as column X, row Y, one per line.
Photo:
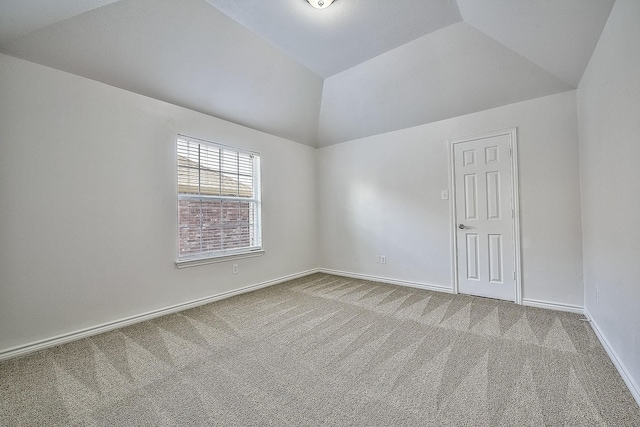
column 462, row 226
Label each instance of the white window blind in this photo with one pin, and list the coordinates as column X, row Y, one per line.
column 218, row 200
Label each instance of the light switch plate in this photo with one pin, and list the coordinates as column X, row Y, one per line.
column 445, row 194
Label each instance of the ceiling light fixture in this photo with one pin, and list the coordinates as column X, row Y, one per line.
column 320, row 4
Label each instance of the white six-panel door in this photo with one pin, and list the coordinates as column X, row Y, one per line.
column 484, row 214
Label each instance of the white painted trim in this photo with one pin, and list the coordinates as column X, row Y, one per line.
column 425, row 286
column 453, row 220
column 626, row 377
column 553, row 305
column 515, row 201
column 216, row 259
column 515, row 205
column 105, row 327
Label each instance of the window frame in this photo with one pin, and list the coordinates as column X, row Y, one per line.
column 224, row 254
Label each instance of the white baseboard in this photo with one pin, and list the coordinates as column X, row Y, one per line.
column 553, row 305
column 105, row 327
column 628, row 379
column 418, row 285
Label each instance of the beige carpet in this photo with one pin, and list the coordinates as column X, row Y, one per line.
column 327, row 350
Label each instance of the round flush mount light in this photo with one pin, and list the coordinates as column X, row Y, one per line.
column 320, row 4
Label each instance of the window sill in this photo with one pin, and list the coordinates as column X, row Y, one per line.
column 217, row 259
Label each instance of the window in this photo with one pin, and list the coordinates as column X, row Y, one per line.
column 218, row 200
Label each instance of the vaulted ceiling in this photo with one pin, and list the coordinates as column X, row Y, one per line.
column 319, row 77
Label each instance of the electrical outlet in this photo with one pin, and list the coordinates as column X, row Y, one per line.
column 445, row 195
column 235, row 269
column 597, row 294
column 383, row 259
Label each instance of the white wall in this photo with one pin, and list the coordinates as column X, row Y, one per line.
column 381, row 195
column 609, row 119
column 88, row 204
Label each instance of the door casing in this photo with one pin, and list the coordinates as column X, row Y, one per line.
column 515, row 205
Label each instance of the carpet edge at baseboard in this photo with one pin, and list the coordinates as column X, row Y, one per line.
column 626, row 377
column 553, row 305
column 42, row 344
column 418, row 285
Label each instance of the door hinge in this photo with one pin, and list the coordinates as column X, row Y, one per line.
column 510, row 151
column 514, row 275
column 513, row 213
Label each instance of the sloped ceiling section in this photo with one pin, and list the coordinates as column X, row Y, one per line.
column 318, row 77
column 343, row 35
column 186, row 53
column 18, row 18
column 558, row 35
column 451, row 72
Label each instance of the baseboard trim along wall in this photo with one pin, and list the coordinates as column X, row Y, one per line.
column 553, row 305
column 95, row 330
column 628, row 379
column 84, row 333
column 410, row 284
column 439, row 288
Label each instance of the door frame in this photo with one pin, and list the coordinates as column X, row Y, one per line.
column 515, row 205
